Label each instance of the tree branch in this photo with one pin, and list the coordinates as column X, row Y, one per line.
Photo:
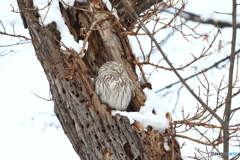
column 194, row 75
column 196, row 18
column 233, row 110
column 138, row 5
column 14, row 35
column 227, row 111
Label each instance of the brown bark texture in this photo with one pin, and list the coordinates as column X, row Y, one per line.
column 94, row 133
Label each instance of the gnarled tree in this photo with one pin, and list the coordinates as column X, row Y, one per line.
column 92, row 130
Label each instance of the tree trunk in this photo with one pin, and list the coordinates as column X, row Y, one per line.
column 94, row 133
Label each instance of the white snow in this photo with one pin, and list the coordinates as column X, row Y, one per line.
column 108, row 4
column 69, row 3
column 146, row 116
column 51, row 14
column 110, row 8
column 165, row 145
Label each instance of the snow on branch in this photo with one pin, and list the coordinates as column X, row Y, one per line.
column 50, row 12
column 152, row 114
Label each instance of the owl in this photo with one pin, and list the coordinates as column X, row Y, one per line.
column 113, row 86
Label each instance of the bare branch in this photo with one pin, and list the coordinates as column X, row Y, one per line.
column 196, row 18
column 3, row 26
column 205, row 70
column 227, row 110
column 14, row 35
column 2, row 54
column 15, row 44
column 195, row 140
column 41, row 97
column 235, row 109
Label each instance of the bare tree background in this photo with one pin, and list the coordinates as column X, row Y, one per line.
column 68, row 78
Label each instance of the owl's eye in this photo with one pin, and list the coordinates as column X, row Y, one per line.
column 114, row 69
column 121, row 70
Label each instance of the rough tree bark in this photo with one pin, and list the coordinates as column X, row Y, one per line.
column 93, row 131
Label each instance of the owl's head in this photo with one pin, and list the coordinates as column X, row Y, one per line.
column 116, row 69
column 112, row 68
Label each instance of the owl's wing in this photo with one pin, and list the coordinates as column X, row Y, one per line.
column 98, row 89
column 133, row 91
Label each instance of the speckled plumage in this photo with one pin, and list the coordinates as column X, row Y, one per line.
column 113, row 86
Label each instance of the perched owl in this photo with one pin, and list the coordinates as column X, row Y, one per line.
column 113, row 86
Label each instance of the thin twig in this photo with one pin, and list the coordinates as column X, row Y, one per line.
column 14, row 35
column 41, row 97
column 81, row 53
column 3, row 26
